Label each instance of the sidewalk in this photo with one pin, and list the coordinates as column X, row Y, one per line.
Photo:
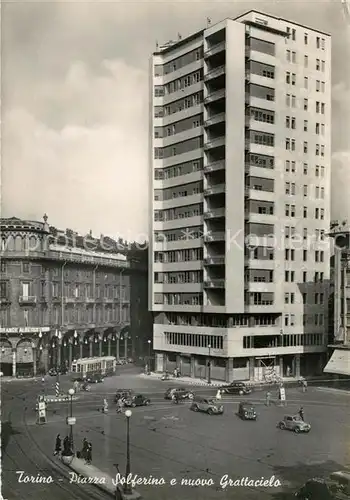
column 216, row 383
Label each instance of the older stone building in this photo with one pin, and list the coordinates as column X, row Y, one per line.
column 64, row 297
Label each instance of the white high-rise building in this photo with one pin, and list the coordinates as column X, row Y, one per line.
column 240, row 158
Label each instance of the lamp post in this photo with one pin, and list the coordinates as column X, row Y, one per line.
column 127, row 487
column 71, row 421
column 209, row 366
column 149, row 354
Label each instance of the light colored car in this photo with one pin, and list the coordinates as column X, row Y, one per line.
column 294, row 423
column 207, row 406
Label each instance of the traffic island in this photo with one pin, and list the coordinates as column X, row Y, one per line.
column 83, row 473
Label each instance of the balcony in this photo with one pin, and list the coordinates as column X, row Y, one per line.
column 27, row 299
column 218, row 189
column 215, row 143
column 215, row 96
column 217, row 236
column 214, row 213
column 215, row 261
column 214, row 283
column 213, row 120
column 215, row 49
column 215, row 166
column 215, row 73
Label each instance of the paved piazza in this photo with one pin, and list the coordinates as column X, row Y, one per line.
column 171, row 442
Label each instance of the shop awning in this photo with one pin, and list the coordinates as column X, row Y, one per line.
column 339, row 363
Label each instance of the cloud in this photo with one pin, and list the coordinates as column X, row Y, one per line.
column 91, row 168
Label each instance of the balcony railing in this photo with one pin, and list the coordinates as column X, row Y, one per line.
column 214, row 96
column 214, row 261
column 217, row 236
column 214, row 213
column 212, row 120
column 215, row 73
column 215, row 49
column 87, row 259
column 215, row 143
column 214, row 283
column 219, row 188
column 27, row 299
column 213, row 167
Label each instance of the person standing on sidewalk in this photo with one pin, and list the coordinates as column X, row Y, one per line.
column 58, row 445
column 89, row 454
column 268, row 398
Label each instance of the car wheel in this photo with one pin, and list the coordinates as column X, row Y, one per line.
column 147, row 402
column 190, row 396
column 210, row 411
column 195, row 408
column 296, row 430
column 240, row 393
column 282, row 426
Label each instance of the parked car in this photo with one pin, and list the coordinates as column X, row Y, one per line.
column 207, row 406
column 294, row 423
column 53, row 372
column 138, row 400
column 247, row 411
column 236, row 388
column 123, row 394
column 336, row 487
column 181, row 393
column 94, row 379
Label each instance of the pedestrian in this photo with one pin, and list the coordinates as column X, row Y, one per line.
column 105, row 406
column 58, row 445
column 85, row 448
column 301, row 413
column 268, row 398
column 89, row 454
column 120, row 405
column 218, row 395
column 304, row 382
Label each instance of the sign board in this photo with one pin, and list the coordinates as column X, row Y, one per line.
column 71, row 420
column 42, row 406
column 25, row 329
column 283, row 394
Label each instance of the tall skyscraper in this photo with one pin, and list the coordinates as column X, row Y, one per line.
column 240, row 153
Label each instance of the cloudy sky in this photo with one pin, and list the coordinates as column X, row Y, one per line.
column 74, row 90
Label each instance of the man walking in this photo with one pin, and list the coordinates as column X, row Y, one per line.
column 268, row 398
column 304, row 384
column 301, row 413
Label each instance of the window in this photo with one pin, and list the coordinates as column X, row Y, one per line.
column 305, row 104
column 323, row 106
column 292, row 166
column 305, row 125
column 288, row 55
column 318, row 42
column 294, row 34
column 317, row 128
column 323, row 43
column 294, row 79
column 304, row 255
column 288, row 80
column 318, row 65
column 305, row 190
column 318, row 85
column 305, row 147
column 317, row 150
column 293, row 122
column 287, row 210
column 25, row 267
column 288, row 101
column 305, row 212
column 306, row 39
column 304, row 280
column 306, row 61
column 293, row 101
column 306, row 82
column 317, row 212
column 287, row 188
column 287, row 121
column 322, row 150
column 292, row 210
column 3, row 266
column 294, row 57
column 305, row 233
column 305, row 168
column 322, row 193
column 323, row 66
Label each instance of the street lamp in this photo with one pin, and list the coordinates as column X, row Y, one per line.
column 71, row 420
column 209, row 366
column 127, row 487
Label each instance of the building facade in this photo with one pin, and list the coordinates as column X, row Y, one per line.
column 339, row 363
column 240, row 155
column 63, row 297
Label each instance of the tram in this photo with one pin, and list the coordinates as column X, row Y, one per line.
column 90, row 366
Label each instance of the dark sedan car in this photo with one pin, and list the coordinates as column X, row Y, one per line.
column 180, row 392
column 236, row 388
column 247, row 411
column 95, row 379
column 138, row 400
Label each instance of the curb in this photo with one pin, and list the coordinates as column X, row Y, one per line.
column 101, row 480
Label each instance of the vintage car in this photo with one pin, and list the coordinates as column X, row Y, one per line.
column 294, row 423
column 180, row 392
column 336, row 487
column 123, row 394
column 138, row 400
column 247, row 411
column 94, row 379
column 205, row 405
column 236, row 388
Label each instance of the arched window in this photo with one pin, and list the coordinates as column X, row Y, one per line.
column 18, row 243
column 10, row 242
column 33, row 244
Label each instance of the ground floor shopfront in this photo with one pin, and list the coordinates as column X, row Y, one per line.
column 256, row 368
column 33, row 351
